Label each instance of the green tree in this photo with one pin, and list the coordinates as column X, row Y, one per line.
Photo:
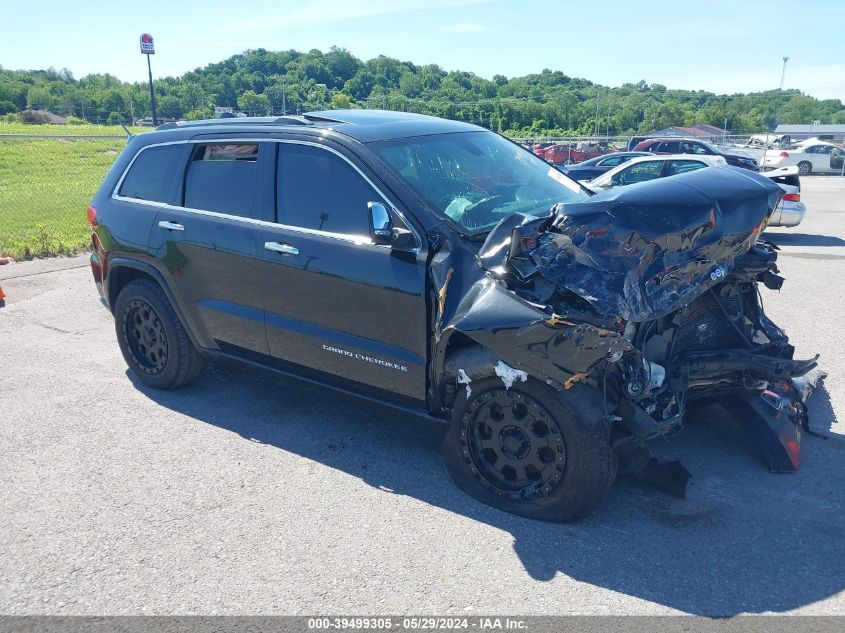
column 254, row 104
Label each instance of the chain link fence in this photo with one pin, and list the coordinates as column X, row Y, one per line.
column 46, row 183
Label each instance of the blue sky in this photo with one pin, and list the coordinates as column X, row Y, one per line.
column 718, row 45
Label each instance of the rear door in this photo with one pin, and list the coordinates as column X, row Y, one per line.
column 335, row 303
column 205, row 244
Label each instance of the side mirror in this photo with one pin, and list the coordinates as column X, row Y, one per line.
column 381, row 224
column 382, row 230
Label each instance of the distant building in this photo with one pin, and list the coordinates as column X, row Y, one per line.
column 822, row 131
column 698, row 131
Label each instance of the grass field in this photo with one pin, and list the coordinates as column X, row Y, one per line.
column 58, row 130
column 45, row 187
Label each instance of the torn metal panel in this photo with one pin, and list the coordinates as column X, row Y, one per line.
column 644, row 251
column 527, row 339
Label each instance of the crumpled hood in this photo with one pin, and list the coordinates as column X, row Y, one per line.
column 642, row 251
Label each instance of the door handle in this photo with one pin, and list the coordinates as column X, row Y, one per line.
column 171, row 226
column 284, row 249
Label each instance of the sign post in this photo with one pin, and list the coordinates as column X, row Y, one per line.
column 148, row 48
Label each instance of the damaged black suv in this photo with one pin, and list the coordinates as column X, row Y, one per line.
column 440, row 268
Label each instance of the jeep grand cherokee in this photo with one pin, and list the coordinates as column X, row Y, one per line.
column 440, row 268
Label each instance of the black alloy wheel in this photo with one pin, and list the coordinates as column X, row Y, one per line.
column 153, row 341
column 530, row 449
column 145, row 336
column 515, row 445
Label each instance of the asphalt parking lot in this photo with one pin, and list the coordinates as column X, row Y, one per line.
column 243, row 494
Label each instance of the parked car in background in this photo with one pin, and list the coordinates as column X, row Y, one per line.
column 811, row 157
column 595, row 167
column 789, row 212
column 581, row 151
column 737, row 158
column 634, row 141
column 650, row 167
column 540, row 149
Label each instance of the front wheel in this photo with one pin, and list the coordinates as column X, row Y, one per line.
column 153, row 342
column 804, row 168
column 530, row 450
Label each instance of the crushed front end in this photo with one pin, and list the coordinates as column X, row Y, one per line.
column 668, row 273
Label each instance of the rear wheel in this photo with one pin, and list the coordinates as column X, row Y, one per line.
column 530, row 450
column 804, row 168
column 153, row 342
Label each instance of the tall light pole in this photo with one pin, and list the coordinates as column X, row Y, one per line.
column 148, row 48
column 780, row 94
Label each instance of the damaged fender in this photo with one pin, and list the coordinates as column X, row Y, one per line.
column 525, row 338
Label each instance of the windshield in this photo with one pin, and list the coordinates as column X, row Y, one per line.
column 711, row 147
column 477, row 178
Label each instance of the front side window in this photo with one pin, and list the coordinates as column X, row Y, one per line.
column 222, row 177
column 670, row 147
column 477, row 178
column 319, row 190
column 692, row 148
column 151, row 175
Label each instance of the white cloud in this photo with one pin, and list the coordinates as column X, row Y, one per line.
column 463, row 27
column 313, row 12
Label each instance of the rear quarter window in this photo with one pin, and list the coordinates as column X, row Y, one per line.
column 151, row 174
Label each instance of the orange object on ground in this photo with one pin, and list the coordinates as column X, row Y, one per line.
column 2, row 294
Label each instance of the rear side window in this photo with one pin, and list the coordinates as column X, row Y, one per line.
column 222, row 177
column 668, row 146
column 613, row 161
column 683, row 166
column 319, row 190
column 151, row 175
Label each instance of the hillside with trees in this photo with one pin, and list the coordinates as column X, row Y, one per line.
column 261, row 82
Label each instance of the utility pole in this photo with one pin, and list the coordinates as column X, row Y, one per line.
column 598, row 100
column 148, row 48
column 284, row 99
column 783, row 73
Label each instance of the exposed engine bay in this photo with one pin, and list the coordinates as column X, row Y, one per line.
column 652, row 293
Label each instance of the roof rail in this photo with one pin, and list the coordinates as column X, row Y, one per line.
column 321, row 119
column 278, row 120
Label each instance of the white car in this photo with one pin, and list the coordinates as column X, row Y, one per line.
column 811, row 157
column 790, row 211
column 651, row 167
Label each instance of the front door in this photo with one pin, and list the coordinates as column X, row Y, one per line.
column 335, row 303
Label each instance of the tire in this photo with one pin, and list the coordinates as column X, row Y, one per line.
column 154, row 344
column 804, row 168
column 565, row 485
